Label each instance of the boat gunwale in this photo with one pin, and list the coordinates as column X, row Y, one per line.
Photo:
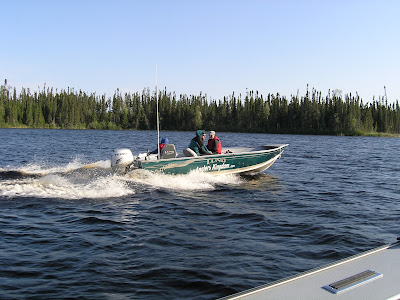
column 279, row 147
column 297, row 276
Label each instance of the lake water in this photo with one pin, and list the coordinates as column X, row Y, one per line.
column 70, row 231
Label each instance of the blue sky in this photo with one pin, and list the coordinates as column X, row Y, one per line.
column 213, row 47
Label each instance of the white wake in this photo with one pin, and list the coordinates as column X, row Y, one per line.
column 77, row 180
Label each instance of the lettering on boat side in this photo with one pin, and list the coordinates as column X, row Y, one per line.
column 214, row 160
column 213, row 164
column 222, row 167
column 203, row 169
column 214, row 167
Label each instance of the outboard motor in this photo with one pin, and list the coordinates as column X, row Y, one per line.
column 120, row 158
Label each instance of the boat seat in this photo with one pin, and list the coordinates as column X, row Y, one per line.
column 189, row 152
column 168, row 151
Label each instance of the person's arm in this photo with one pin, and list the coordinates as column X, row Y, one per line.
column 205, row 150
column 195, row 147
column 154, row 151
column 197, row 150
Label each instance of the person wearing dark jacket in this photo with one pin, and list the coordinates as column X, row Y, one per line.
column 214, row 143
column 197, row 143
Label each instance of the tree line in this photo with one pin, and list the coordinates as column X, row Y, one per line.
column 312, row 113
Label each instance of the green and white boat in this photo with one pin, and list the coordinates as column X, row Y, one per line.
column 236, row 160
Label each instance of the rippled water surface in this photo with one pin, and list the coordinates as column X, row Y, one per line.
column 71, row 228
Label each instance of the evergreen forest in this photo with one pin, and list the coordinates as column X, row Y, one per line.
column 312, row 113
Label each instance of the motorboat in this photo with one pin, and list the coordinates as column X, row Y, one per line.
column 235, row 160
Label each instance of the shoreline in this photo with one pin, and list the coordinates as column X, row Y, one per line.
column 368, row 134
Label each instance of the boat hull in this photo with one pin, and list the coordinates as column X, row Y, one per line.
column 230, row 163
column 373, row 274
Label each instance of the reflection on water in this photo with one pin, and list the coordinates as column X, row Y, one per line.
column 262, row 182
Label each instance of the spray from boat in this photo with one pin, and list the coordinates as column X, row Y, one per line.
column 78, row 180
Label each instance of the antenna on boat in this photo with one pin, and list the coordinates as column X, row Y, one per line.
column 158, row 122
column 385, row 92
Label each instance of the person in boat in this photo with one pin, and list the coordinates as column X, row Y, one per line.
column 197, row 143
column 214, row 143
column 163, row 142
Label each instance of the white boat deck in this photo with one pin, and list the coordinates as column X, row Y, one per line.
column 313, row 284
